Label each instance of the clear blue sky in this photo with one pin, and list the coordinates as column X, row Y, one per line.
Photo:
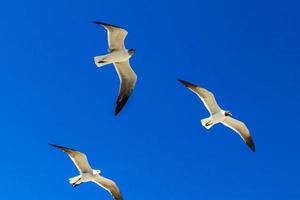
column 247, row 52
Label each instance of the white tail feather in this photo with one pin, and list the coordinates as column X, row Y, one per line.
column 74, row 179
column 99, row 61
column 205, row 121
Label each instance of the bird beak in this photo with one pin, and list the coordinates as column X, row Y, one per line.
column 228, row 114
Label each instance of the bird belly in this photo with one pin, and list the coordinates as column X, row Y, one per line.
column 117, row 56
column 86, row 177
column 217, row 118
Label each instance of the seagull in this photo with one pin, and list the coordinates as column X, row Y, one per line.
column 88, row 174
column 119, row 56
column 217, row 115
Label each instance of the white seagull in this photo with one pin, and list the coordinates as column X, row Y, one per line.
column 88, row 174
column 217, row 115
column 119, row 56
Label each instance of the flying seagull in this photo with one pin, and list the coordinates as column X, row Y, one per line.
column 217, row 115
column 88, row 174
column 119, row 56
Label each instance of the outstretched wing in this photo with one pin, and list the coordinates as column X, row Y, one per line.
column 240, row 128
column 108, row 185
column 78, row 158
column 127, row 82
column 206, row 97
column 116, row 36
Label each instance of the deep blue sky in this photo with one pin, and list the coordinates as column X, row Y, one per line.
column 247, row 52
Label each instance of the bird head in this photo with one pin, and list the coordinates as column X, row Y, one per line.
column 227, row 113
column 97, row 171
column 131, row 51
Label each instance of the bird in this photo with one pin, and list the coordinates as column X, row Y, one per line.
column 218, row 115
column 88, row 174
column 119, row 56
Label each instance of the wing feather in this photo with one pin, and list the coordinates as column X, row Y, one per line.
column 116, row 36
column 240, row 128
column 206, row 97
column 127, row 83
column 79, row 159
column 108, row 185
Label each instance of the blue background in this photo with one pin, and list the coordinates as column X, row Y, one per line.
column 246, row 52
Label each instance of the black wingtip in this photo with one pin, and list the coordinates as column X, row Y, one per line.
column 187, row 84
column 253, row 149
column 57, row 146
column 99, row 23
column 182, row 81
column 251, row 144
column 105, row 24
column 61, row 147
column 54, row 145
column 121, row 103
column 117, row 112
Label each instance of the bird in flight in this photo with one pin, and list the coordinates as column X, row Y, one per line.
column 217, row 115
column 88, row 174
column 119, row 56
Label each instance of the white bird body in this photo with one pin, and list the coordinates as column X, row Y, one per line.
column 113, row 57
column 213, row 119
column 84, row 177
column 217, row 115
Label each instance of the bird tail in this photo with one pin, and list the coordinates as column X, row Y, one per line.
column 206, row 123
column 100, row 61
column 75, row 180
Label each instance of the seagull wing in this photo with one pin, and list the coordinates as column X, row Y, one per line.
column 116, row 36
column 108, row 185
column 241, row 129
column 206, row 96
column 127, row 82
column 78, row 158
